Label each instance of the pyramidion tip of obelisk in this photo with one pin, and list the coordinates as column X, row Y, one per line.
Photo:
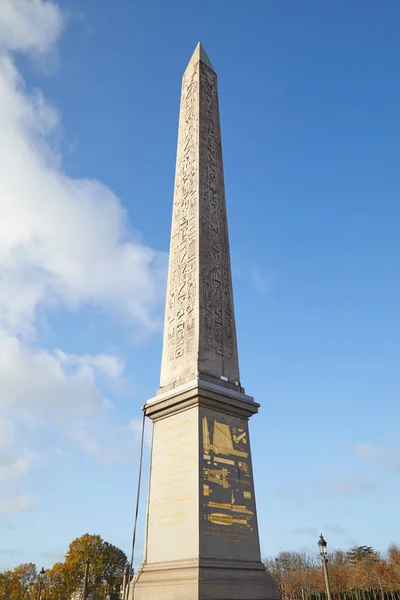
column 200, row 55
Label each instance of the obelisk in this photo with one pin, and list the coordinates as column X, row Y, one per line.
column 201, row 537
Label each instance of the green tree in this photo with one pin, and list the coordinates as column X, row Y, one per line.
column 360, row 554
column 115, row 563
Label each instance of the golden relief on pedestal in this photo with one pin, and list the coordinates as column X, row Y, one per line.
column 225, row 444
column 223, row 441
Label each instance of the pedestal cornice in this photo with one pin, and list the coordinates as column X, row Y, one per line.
column 200, row 393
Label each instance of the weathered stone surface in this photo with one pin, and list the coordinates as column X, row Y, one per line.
column 202, row 538
column 173, row 522
column 199, row 330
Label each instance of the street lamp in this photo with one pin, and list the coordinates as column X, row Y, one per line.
column 323, row 550
column 41, row 578
column 86, row 580
column 125, row 584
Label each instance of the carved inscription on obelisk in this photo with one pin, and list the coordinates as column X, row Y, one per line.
column 181, row 325
column 217, row 343
column 199, row 331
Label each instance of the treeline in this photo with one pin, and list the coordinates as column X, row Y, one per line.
column 359, row 574
column 108, row 564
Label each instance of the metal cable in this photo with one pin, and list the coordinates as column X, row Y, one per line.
column 137, row 503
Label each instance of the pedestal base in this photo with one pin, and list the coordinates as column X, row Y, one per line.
column 202, row 537
column 203, row 580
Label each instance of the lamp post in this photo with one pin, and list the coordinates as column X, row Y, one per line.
column 40, row 577
column 86, row 580
column 323, row 550
column 125, row 584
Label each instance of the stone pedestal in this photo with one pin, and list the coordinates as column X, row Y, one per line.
column 202, row 537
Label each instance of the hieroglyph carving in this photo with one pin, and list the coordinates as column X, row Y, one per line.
column 180, row 321
column 199, row 330
column 217, row 343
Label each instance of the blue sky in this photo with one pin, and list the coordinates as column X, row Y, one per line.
column 309, row 96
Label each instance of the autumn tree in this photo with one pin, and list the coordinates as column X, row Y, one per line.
column 6, row 584
column 394, row 565
column 85, row 547
column 358, row 574
column 290, row 571
column 56, row 582
column 108, row 564
column 14, row 585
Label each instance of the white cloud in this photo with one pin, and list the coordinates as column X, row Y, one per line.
column 40, row 391
column 29, row 25
column 261, row 279
column 15, row 460
column 107, row 364
column 35, row 380
column 353, row 485
column 40, row 387
column 107, row 442
column 136, row 425
column 13, row 465
column 363, row 450
column 371, row 453
column 64, row 244
column 15, row 504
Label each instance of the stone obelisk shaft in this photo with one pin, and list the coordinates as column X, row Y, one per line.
column 199, row 332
